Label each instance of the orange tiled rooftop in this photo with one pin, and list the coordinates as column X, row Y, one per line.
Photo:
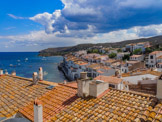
column 114, row 106
column 109, row 79
column 15, row 92
column 136, row 56
column 62, row 103
column 155, row 52
column 53, row 102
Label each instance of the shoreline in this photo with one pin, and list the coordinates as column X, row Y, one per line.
column 60, row 68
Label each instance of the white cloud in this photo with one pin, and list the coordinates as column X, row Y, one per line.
column 104, row 15
column 16, row 17
column 149, row 31
column 37, row 40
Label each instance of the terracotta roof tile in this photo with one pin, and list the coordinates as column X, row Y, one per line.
column 113, row 106
column 155, row 52
column 53, row 102
column 109, row 79
column 15, row 92
column 136, row 56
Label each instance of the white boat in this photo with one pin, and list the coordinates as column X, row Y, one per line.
column 44, row 58
column 11, row 65
column 26, row 59
column 45, row 73
column 18, row 60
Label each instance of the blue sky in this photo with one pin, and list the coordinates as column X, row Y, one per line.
column 32, row 25
column 24, row 8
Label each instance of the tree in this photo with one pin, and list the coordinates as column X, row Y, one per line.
column 160, row 48
column 89, row 51
column 112, row 55
column 148, row 50
column 126, row 57
column 95, row 51
column 137, row 51
column 119, row 50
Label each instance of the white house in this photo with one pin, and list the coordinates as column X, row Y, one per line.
column 112, row 51
column 79, row 53
column 132, row 65
column 137, row 57
column 121, row 55
column 95, row 70
column 114, row 82
column 153, row 58
column 159, row 62
column 134, row 46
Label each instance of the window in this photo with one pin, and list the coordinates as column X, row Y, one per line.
column 151, row 57
column 111, row 85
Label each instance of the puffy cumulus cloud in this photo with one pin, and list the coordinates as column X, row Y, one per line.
column 103, row 15
column 37, row 40
column 148, row 31
column 47, row 19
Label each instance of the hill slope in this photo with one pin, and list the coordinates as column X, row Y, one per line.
column 64, row 50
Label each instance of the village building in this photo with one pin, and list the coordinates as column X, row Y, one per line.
column 95, row 70
column 80, row 53
column 137, row 57
column 113, row 82
column 91, row 57
column 112, row 51
column 121, row 55
column 159, row 62
column 129, row 66
column 109, row 62
column 101, row 59
column 134, row 46
column 142, row 80
column 73, row 66
column 153, row 58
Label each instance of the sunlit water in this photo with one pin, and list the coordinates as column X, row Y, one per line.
column 25, row 63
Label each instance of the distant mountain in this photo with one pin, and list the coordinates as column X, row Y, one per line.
column 64, row 50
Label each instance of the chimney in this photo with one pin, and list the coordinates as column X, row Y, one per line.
column 38, row 111
column 1, row 72
column 65, row 82
column 116, row 73
column 83, row 75
column 13, row 73
column 98, row 87
column 40, row 74
column 6, row 73
column 35, row 77
column 159, row 88
column 83, row 87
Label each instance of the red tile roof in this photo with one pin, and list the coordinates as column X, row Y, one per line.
column 136, row 56
column 53, row 102
column 114, row 106
column 155, row 52
column 16, row 92
column 109, row 79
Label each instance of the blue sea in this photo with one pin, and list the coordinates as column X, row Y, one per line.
column 25, row 63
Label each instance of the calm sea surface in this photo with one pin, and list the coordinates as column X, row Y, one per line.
column 25, row 63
